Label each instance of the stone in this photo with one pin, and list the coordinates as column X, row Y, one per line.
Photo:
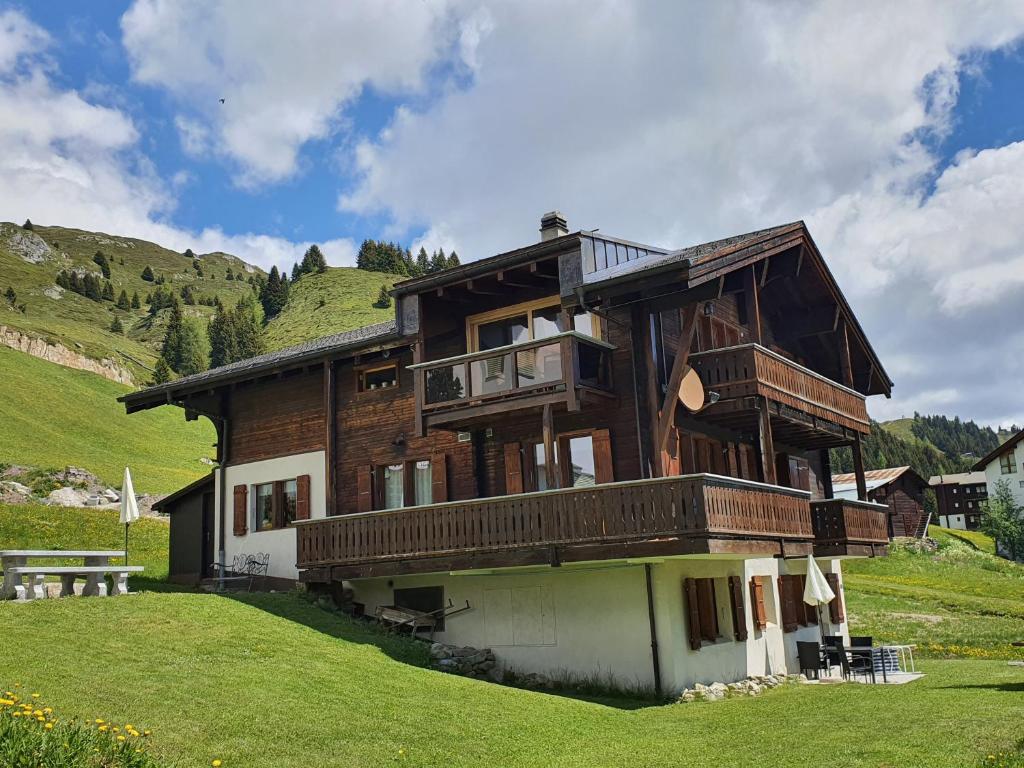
column 16, row 487
column 67, row 497
column 439, row 651
column 111, row 495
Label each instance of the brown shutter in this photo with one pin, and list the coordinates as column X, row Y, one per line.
column 277, row 504
column 739, row 615
column 757, row 609
column 810, row 612
column 241, row 509
column 708, row 609
column 439, row 478
column 302, row 497
column 603, row 472
column 692, row 612
column 836, row 613
column 789, row 607
column 364, row 489
column 513, row 468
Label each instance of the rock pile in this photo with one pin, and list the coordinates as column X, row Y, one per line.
column 462, row 660
column 751, row 686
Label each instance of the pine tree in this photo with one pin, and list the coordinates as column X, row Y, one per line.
column 422, row 261
column 147, row 274
column 189, row 254
column 248, row 328
column 92, row 288
column 383, row 298
column 438, row 261
column 162, row 373
column 122, row 300
column 135, row 304
column 116, row 326
column 10, row 295
column 221, row 332
column 27, row 225
column 192, row 350
column 313, row 261
column 453, row 260
column 108, row 291
column 171, row 349
column 230, row 274
column 101, row 260
column 187, row 296
column 296, row 271
column 274, row 294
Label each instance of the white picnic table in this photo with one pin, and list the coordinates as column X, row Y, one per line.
column 95, row 565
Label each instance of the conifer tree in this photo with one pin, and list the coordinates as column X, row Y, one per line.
column 248, row 328
column 274, row 295
column 122, row 300
column 27, row 225
column 422, row 261
column 135, row 304
column 147, row 274
column 162, row 373
column 10, row 295
column 296, row 271
column 108, row 291
column 116, row 326
column 221, row 332
column 192, row 350
column 313, row 261
column 383, row 298
column 438, row 261
column 101, row 260
column 230, row 274
column 453, row 260
column 171, row 349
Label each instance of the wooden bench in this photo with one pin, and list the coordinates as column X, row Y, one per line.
column 95, row 584
column 18, row 558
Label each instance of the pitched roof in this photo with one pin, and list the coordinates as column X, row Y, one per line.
column 199, row 484
column 338, row 342
column 960, row 478
column 1007, row 446
column 846, row 483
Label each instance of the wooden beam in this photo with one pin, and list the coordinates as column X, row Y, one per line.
column 503, row 279
column 752, row 299
column 679, row 369
column 550, row 460
column 766, row 446
column 845, row 364
column 473, row 287
column 826, row 473
column 419, row 397
column 330, row 433
column 536, row 271
column 653, row 396
column 858, row 469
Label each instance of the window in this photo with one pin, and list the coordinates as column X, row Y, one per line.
column 406, row 484
column 540, row 466
column 703, row 598
column 954, row 491
column 275, row 504
column 382, row 377
column 524, row 322
column 581, row 461
column 422, row 599
column 1007, row 463
column 422, row 483
column 589, row 463
column 393, row 491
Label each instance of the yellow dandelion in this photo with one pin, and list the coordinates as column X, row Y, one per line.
column 38, row 713
column 5, row 702
column 99, row 721
column 120, row 738
column 129, row 727
column 35, row 695
column 103, row 729
column 216, row 763
column 48, row 726
column 146, row 732
column 48, row 710
column 16, row 714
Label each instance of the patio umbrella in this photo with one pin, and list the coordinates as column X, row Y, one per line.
column 129, row 508
column 817, row 592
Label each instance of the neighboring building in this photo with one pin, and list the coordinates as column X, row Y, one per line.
column 190, row 510
column 1005, row 463
column 901, row 489
column 616, row 455
column 960, row 499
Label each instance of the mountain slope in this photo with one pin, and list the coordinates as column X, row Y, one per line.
column 52, row 416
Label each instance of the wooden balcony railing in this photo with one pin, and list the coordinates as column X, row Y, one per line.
column 567, row 362
column 750, row 369
column 841, row 521
column 691, row 505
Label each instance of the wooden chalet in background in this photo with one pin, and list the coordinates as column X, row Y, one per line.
column 632, row 439
column 900, row 489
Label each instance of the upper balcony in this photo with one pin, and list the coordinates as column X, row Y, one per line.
column 843, row 526
column 564, row 367
column 808, row 409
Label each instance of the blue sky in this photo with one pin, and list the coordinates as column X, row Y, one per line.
column 895, row 130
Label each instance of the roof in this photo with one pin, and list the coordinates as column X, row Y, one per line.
column 198, row 485
column 960, row 478
column 1007, row 446
column 338, row 342
column 845, row 484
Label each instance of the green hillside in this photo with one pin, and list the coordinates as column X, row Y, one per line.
column 30, row 262
column 52, row 417
column 340, row 299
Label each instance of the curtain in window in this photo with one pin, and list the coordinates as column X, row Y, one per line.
column 423, row 483
column 394, row 486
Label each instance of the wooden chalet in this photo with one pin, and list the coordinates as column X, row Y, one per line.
column 539, row 431
column 900, row 489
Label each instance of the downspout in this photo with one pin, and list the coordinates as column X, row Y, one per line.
column 655, row 661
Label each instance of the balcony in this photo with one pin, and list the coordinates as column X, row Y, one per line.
column 560, row 368
column 844, row 527
column 807, row 408
column 691, row 514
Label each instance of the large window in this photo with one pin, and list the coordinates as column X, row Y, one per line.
column 1007, row 463
column 580, row 469
column 422, row 483
column 525, row 322
column 275, row 504
column 404, row 484
column 264, row 507
column 393, row 492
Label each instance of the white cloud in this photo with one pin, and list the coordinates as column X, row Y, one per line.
column 194, row 137
column 18, row 36
column 285, row 72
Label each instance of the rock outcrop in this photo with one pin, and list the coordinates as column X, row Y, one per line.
column 58, row 353
column 26, row 244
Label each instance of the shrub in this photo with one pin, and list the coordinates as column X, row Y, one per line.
column 147, row 274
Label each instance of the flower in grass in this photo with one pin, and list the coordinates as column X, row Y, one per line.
column 120, row 738
column 6, row 702
column 103, row 729
column 99, row 721
column 48, row 726
column 217, row 763
column 146, row 732
column 35, row 695
column 16, row 713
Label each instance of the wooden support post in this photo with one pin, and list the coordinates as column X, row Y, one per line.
column 766, row 446
column 330, row 433
column 752, row 299
column 826, row 473
column 858, row 468
column 653, row 394
column 550, row 460
column 845, row 364
column 419, row 386
column 679, row 369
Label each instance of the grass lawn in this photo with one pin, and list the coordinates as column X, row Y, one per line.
column 52, row 416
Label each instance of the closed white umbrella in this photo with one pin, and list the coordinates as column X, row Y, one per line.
column 129, row 508
column 817, row 592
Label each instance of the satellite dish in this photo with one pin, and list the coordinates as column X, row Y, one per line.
column 691, row 391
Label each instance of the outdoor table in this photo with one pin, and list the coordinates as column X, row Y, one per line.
column 905, row 652
column 10, row 558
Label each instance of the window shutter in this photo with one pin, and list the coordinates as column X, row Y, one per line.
column 692, row 612
column 302, row 497
column 277, row 504
column 757, row 609
column 810, row 612
column 513, row 468
column 836, row 613
column 241, row 509
column 603, row 472
column 739, row 615
column 708, row 609
column 364, row 489
column 789, row 615
column 439, row 477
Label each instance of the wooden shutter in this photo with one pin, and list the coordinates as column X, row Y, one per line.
column 439, row 478
column 759, row 615
column 603, row 472
column 513, row 468
column 708, row 609
column 302, row 497
column 692, row 612
column 836, row 613
column 809, row 614
column 789, row 607
column 241, row 509
column 364, row 489
column 277, row 504
column 739, row 615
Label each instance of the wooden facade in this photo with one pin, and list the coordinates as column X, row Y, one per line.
column 541, row 402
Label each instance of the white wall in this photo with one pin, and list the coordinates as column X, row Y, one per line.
column 279, row 543
column 956, row 522
column 993, row 475
column 593, row 621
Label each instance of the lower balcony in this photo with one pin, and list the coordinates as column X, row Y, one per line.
column 691, row 514
column 844, row 527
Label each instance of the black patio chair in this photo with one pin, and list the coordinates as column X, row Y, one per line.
column 859, row 660
column 811, row 662
column 861, row 641
column 833, row 645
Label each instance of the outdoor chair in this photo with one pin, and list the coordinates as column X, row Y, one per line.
column 854, row 664
column 810, row 657
column 833, row 650
column 244, row 571
column 861, row 641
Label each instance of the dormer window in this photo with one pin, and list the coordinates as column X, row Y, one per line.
column 380, row 377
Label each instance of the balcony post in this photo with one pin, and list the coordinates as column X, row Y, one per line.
column 826, row 473
column 419, row 388
column 551, row 473
column 765, row 444
column 858, row 468
column 330, row 428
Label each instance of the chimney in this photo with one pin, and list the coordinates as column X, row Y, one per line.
column 552, row 225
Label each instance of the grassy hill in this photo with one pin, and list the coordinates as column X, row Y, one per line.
column 340, row 299
column 30, row 262
column 51, row 417
column 271, row 680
